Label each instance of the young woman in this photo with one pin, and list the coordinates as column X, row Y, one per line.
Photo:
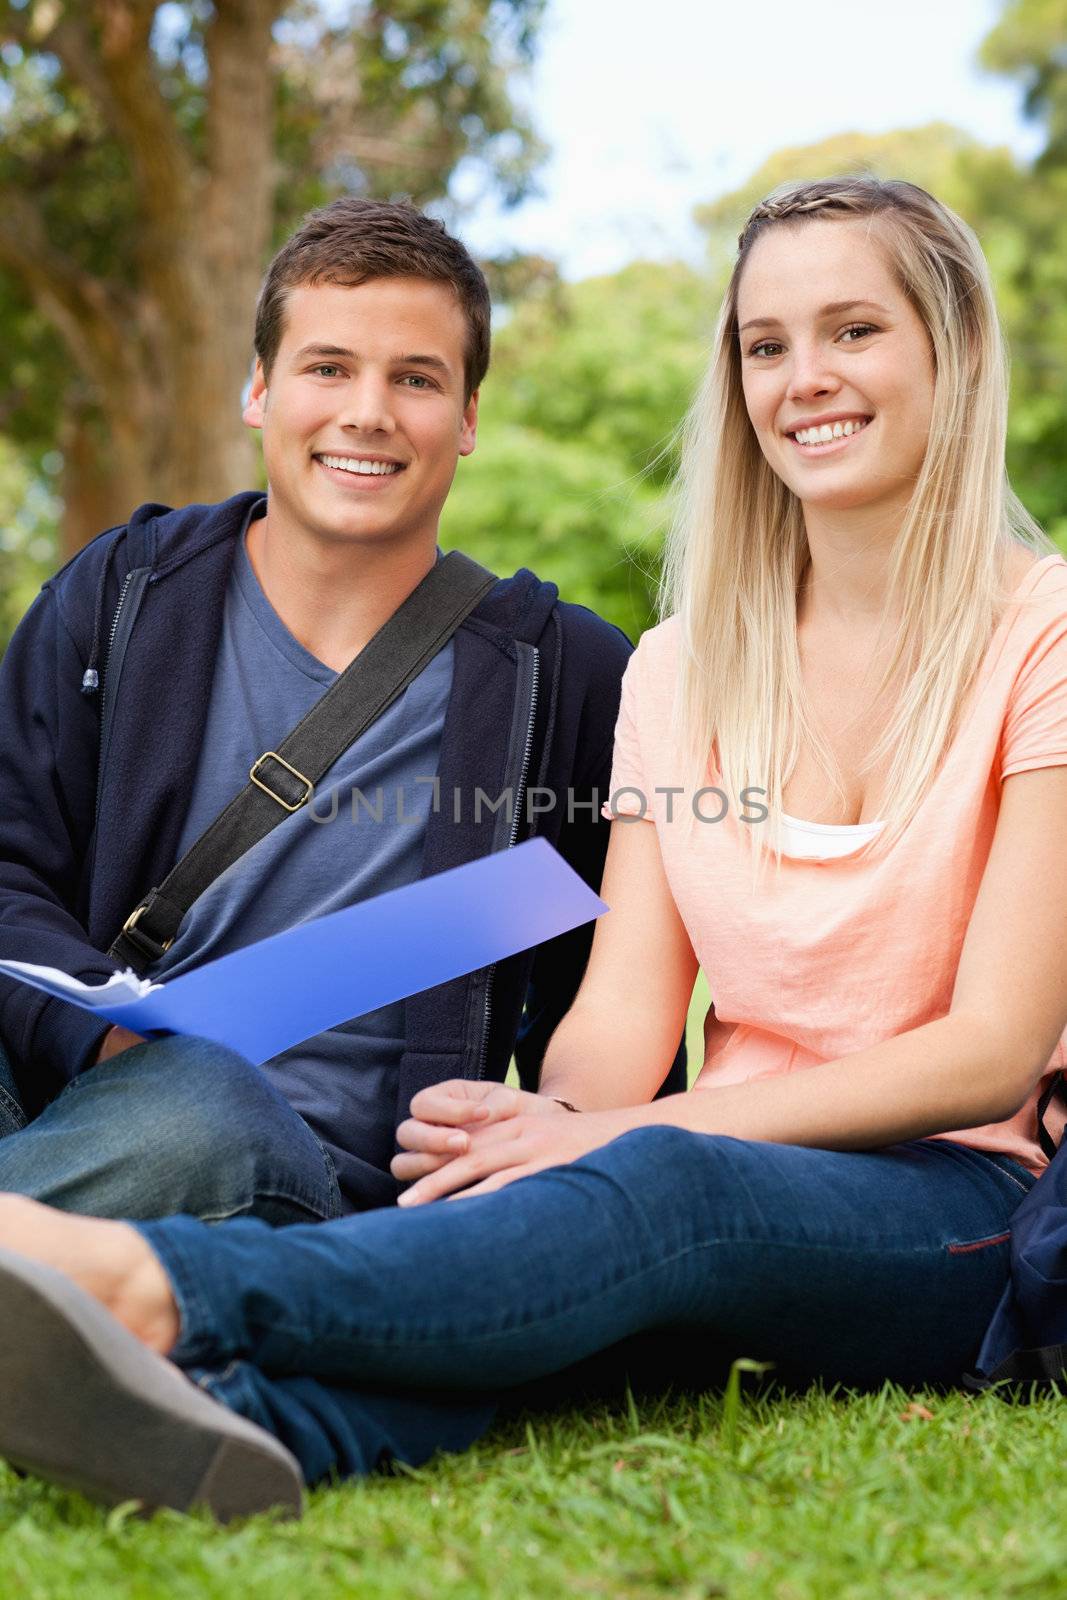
column 844, row 763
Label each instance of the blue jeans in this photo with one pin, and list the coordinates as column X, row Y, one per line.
column 174, row 1125
column 388, row 1333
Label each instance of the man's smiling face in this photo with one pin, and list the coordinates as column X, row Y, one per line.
column 364, row 415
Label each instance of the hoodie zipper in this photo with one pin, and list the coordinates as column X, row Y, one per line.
column 520, row 800
column 137, row 579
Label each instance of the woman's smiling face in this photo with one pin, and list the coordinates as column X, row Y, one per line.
column 828, row 340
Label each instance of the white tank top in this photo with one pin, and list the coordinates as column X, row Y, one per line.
column 823, row 841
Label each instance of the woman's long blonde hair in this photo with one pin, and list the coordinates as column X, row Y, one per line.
column 737, row 551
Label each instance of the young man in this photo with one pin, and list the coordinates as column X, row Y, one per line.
column 166, row 658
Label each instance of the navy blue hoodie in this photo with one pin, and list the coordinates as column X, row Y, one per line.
column 86, row 831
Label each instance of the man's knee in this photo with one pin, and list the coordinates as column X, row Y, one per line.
column 186, row 1094
column 215, row 1129
column 174, row 1125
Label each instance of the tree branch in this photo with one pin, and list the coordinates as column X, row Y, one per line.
column 84, row 309
column 240, row 116
column 105, row 46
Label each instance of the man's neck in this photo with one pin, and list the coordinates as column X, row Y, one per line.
column 334, row 597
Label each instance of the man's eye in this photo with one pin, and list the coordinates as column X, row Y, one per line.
column 326, row 370
column 417, row 381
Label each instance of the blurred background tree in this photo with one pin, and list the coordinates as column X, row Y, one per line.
column 153, row 154
column 259, row 110
column 588, row 383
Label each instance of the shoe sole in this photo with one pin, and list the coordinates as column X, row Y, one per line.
column 85, row 1405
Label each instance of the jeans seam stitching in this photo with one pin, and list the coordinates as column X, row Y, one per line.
column 11, row 1105
column 387, row 1338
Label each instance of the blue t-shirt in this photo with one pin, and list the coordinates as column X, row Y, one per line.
column 342, row 1082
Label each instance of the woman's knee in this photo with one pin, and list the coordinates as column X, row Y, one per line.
column 666, row 1151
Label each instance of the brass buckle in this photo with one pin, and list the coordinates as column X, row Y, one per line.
column 134, row 918
column 267, row 754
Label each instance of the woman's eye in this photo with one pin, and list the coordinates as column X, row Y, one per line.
column 764, row 344
column 862, row 329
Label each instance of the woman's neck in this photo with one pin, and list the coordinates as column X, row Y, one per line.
column 847, row 580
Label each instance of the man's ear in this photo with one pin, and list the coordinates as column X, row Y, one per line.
column 468, row 432
column 256, row 404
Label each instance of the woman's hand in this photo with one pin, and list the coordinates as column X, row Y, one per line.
column 443, row 1116
column 525, row 1142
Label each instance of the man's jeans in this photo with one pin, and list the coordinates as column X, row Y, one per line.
column 174, row 1125
column 387, row 1334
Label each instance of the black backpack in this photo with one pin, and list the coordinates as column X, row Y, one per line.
column 1026, row 1341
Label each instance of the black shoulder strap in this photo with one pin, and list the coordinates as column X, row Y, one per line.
column 1056, row 1085
column 283, row 780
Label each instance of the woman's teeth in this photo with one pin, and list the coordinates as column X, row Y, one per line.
column 828, row 431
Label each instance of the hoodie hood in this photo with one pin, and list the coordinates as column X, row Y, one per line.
column 164, row 539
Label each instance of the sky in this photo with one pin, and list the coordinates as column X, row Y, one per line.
column 655, row 106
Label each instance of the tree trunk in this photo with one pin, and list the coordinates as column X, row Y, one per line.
column 106, row 472
column 163, row 357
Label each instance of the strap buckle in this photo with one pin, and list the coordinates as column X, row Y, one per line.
column 272, row 755
column 143, row 941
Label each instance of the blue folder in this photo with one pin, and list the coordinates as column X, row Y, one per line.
column 273, row 994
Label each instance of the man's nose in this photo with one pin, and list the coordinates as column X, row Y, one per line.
column 368, row 405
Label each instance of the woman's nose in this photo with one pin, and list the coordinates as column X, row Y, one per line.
column 811, row 372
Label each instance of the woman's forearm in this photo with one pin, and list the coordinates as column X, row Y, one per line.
column 947, row 1074
column 601, row 1060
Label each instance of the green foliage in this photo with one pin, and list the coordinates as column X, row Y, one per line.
column 28, row 512
column 588, row 384
column 1028, row 44
column 937, row 156
column 885, row 1496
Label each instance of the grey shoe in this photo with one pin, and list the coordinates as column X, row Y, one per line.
column 85, row 1405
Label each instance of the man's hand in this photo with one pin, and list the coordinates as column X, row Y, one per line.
column 526, row 1142
column 116, row 1040
column 444, row 1116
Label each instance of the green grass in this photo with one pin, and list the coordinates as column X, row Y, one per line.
column 798, row 1498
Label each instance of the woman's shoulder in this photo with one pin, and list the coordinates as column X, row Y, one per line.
column 1037, row 595
column 1031, row 632
column 652, row 674
column 1026, row 573
column 659, row 647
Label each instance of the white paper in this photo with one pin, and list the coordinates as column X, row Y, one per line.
column 120, row 989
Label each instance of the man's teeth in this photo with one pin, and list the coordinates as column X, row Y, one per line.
column 365, row 469
column 828, row 431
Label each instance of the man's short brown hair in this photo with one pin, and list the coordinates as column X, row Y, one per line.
column 352, row 241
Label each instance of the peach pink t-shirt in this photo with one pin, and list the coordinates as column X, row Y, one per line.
column 838, row 954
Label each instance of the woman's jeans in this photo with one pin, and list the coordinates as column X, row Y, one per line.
column 387, row 1334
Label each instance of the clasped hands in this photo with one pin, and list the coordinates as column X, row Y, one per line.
column 466, row 1137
